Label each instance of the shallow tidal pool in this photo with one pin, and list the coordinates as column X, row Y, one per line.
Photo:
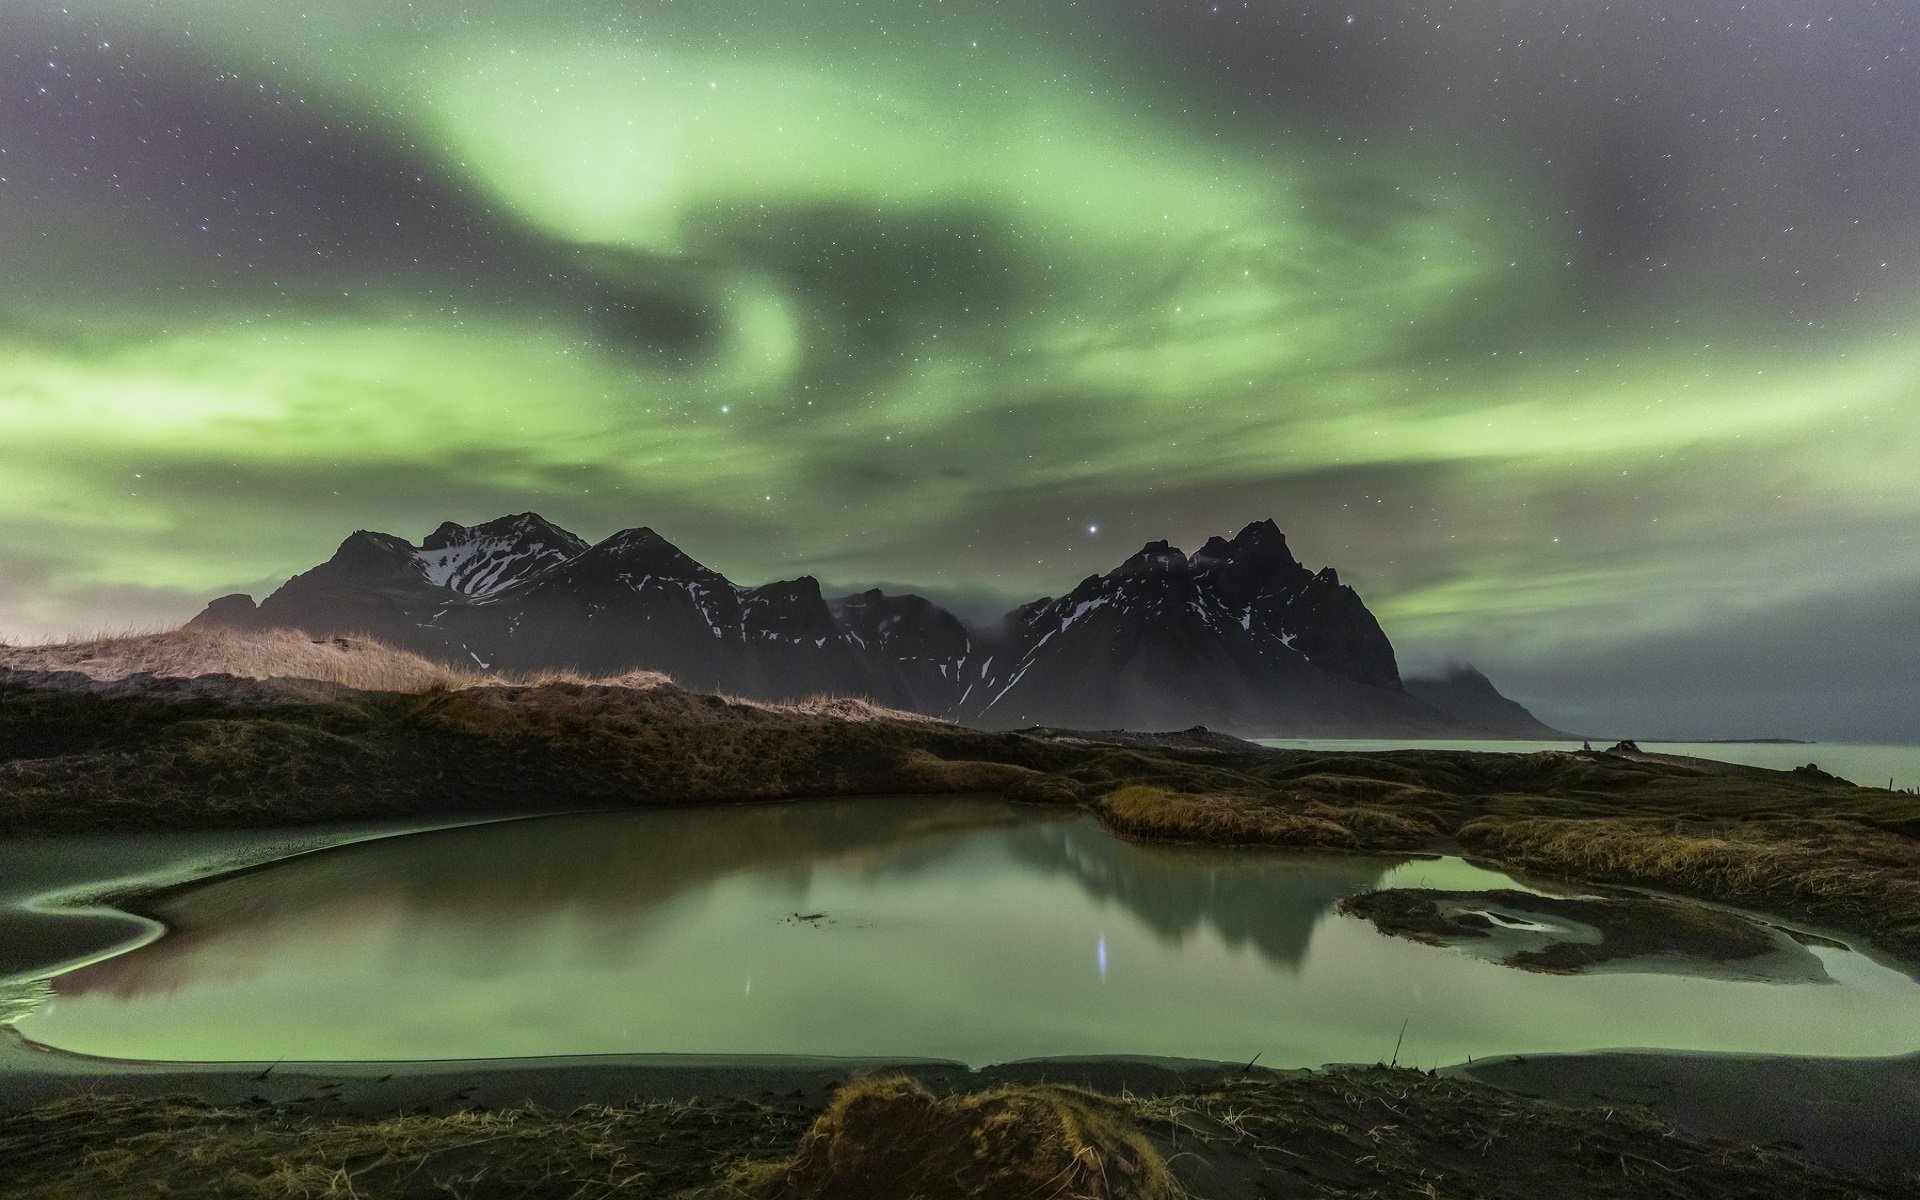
column 961, row 929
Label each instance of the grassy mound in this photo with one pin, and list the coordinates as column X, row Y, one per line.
column 889, row 1136
column 1277, row 819
column 360, row 663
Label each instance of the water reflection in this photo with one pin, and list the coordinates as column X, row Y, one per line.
column 963, row 929
column 510, row 894
column 1266, row 900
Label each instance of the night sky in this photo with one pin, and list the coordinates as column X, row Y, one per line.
column 1583, row 339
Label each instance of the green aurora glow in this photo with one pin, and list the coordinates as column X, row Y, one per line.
column 923, row 292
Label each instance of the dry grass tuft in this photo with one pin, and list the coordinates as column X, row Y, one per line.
column 1145, row 811
column 845, row 708
column 357, row 662
column 635, row 680
column 362, row 663
column 890, row 1136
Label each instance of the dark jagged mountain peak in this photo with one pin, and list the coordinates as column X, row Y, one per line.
column 633, row 601
column 1239, row 628
column 373, row 585
column 365, row 559
column 449, row 534
column 365, row 546
column 634, row 574
column 1256, row 577
column 638, row 538
column 1154, row 556
column 789, row 607
column 803, row 587
column 1260, row 542
column 1339, row 633
column 529, row 525
column 924, row 654
column 791, row 617
column 1261, row 538
column 642, row 549
column 905, row 625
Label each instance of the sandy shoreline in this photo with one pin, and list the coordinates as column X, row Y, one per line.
column 31, row 1074
column 1853, row 1115
column 56, row 893
column 1857, row 1114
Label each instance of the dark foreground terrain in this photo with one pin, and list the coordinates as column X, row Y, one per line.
column 1224, row 1135
column 82, row 756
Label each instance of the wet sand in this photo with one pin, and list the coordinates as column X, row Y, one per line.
column 1851, row 1115
column 1858, row 1114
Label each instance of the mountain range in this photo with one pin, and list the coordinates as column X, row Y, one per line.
column 1238, row 636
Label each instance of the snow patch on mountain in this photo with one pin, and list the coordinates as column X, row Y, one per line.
column 485, row 559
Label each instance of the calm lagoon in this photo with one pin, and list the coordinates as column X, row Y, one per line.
column 962, row 929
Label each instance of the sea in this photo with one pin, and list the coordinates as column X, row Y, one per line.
column 1867, row 765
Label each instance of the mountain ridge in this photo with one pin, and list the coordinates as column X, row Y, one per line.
column 1239, row 636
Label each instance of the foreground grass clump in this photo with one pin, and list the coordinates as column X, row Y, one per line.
column 890, row 1136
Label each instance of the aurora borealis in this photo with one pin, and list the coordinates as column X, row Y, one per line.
column 1584, row 340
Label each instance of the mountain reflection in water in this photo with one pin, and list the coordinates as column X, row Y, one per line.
column 954, row 928
column 508, row 891
column 1269, row 901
